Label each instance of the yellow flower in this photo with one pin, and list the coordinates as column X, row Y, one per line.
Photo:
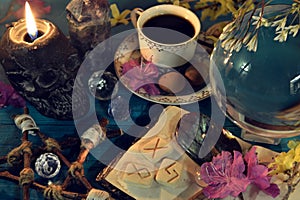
column 295, row 8
column 283, row 162
column 293, row 29
column 176, row 2
column 292, row 144
column 297, row 154
column 118, row 17
column 286, row 160
column 186, row 5
column 215, row 8
column 252, row 44
column 281, row 35
column 260, row 21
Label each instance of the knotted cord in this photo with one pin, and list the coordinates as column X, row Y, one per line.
column 26, row 176
column 76, row 166
column 14, row 157
column 53, row 192
column 52, row 144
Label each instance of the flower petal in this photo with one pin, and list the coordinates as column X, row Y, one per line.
column 222, row 162
column 238, row 166
column 216, row 191
column 210, row 175
column 273, row 190
column 8, row 96
column 124, row 14
column 251, row 157
column 258, row 175
column 237, row 185
column 151, row 89
column 114, row 10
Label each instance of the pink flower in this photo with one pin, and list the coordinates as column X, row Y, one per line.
column 141, row 76
column 37, row 6
column 8, row 96
column 224, row 175
column 258, row 174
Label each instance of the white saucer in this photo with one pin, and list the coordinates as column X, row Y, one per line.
column 129, row 49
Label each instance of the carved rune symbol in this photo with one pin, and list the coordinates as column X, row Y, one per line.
column 172, row 172
column 142, row 172
column 155, row 148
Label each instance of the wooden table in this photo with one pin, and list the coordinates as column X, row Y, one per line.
column 10, row 135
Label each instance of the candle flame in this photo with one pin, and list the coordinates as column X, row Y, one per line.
column 30, row 22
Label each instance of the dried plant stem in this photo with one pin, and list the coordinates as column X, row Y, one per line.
column 207, row 6
column 80, row 177
column 81, row 159
column 293, row 181
column 84, row 181
column 37, row 186
column 62, row 157
column 26, row 156
column 82, row 155
column 66, row 182
column 53, row 146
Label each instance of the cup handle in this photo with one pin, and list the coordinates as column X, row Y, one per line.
column 133, row 15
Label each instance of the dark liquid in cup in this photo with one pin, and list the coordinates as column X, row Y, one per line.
column 168, row 29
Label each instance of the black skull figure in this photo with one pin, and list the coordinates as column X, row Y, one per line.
column 42, row 71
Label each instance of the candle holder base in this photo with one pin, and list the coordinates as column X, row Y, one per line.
column 43, row 71
column 255, row 138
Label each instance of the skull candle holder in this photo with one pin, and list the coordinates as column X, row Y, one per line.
column 42, row 70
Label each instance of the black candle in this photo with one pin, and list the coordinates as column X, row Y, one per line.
column 43, row 69
column 89, row 23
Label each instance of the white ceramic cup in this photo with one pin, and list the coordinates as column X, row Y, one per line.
column 166, row 54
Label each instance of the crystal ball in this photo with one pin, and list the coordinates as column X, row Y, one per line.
column 119, row 108
column 261, row 88
column 103, row 85
column 47, row 165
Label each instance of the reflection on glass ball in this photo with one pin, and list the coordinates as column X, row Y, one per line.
column 119, row 108
column 47, row 165
column 262, row 88
column 103, row 85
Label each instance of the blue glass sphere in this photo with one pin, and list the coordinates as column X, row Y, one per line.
column 261, row 88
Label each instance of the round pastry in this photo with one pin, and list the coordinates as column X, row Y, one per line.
column 172, row 82
column 193, row 76
column 47, row 165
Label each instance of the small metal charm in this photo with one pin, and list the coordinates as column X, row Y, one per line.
column 26, row 123
column 47, row 165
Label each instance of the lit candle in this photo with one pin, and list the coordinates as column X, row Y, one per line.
column 30, row 23
column 41, row 65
